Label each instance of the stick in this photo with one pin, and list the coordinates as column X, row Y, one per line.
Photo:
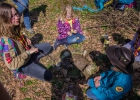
column 45, row 55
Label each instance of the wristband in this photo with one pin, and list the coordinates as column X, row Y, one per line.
column 28, row 52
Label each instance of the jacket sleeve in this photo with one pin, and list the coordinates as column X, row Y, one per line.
column 116, row 90
column 60, row 27
column 113, row 90
column 77, row 26
column 109, row 92
column 12, row 61
column 131, row 43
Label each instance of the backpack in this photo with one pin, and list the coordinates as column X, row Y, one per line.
column 100, row 4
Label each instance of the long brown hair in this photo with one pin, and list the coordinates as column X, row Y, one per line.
column 6, row 27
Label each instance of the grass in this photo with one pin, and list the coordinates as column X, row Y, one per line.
column 84, row 90
column 58, row 84
column 27, row 99
column 31, row 82
column 0, row 70
column 24, row 90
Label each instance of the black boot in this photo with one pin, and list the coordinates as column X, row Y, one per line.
column 60, row 42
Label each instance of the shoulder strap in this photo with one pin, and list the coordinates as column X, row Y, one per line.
column 136, row 48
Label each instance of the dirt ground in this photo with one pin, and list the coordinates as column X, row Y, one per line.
column 119, row 25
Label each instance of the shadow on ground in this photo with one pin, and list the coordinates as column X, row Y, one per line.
column 34, row 13
column 61, row 81
column 100, row 60
column 2, row 1
column 138, row 5
column 120, row 39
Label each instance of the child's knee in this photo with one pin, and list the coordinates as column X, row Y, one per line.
column 83, row 38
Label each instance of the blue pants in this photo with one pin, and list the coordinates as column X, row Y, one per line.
column 91, row 95
column 22, row 8
column 75, row 38
column 34, row 68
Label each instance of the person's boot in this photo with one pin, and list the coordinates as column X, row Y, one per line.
column 60, row 42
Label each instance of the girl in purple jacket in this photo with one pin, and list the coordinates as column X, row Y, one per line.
column 69, row 29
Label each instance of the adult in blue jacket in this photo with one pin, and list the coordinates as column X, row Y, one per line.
column 115, row 83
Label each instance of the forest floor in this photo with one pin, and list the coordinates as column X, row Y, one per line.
column 119, row 25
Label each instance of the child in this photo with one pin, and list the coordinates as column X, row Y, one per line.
column 69, row 29
column 14, row 49
column 134, row 46
column 113, row 84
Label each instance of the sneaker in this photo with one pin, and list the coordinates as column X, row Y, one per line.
column 18, row 75
column 36, row 38
column 31, row 31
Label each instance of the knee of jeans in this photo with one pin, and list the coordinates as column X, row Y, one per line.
column 73, row 40
column 83, row 38
column 88, row 93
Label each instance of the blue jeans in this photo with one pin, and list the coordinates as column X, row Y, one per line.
column 91, row 95
column 34, row 68
column 75, row 38
column 22, row 8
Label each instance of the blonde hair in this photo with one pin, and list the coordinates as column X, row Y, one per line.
column 67, row 9
column 6, row 27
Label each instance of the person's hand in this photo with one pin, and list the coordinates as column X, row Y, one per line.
column 61, row 19
column 74, row 31
column 28, row 41
column 97, row 83
column 97, row 78
column 33, row 50
column 69, row 33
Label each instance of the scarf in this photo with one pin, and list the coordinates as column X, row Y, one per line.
column 136, row 48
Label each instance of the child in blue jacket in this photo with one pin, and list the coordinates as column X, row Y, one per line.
column 115, row 83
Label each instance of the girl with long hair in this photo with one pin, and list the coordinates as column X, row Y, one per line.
column 16, row 49
column 69, row 29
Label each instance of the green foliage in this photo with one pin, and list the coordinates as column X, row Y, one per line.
column 27, row 99
column 48, row 66
column 0, row 70
column 32, row 1
column 23, row 90
column 76, row 45
column 58, row 84
column 53, row 27
column 31, row 82
column 84, row 90
column 37, row 93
